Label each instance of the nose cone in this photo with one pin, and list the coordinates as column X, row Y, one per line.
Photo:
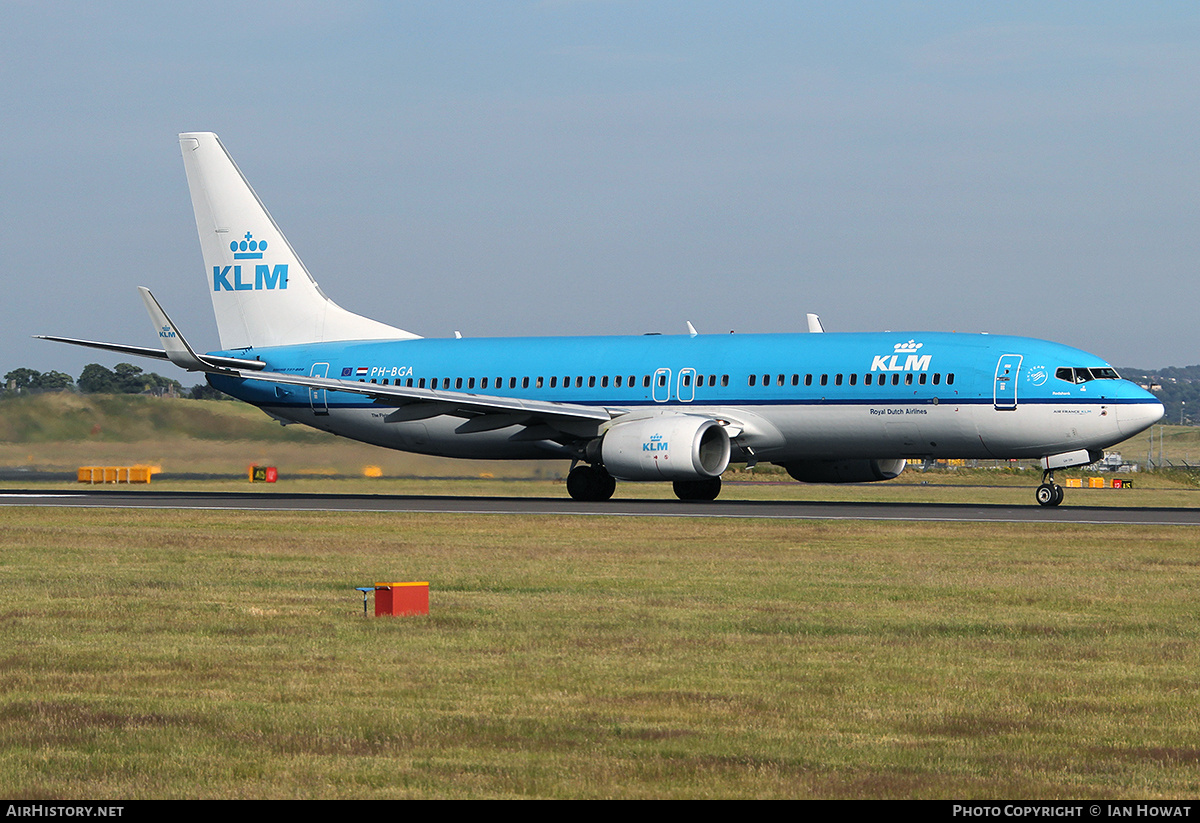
column 1140, row 411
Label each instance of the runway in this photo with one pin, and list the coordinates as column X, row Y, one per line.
column 563, row 507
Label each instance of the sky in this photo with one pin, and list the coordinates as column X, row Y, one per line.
column 609, row 167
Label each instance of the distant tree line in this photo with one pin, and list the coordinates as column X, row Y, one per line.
column 124, row 378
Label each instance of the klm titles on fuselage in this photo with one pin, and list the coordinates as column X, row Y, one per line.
column 912, row 361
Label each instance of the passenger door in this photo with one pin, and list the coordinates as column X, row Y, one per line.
column 1005, row 393
column 316, row 397
column 660, row 389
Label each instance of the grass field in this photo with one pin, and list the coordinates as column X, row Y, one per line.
column 224, row 654
column 151, row 654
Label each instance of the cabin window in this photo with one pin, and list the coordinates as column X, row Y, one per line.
column 866, row 379
column 458, row 382
column 824, row 380
column 539, row 381
column 604, row 382
column 408, row 382
column 837, row 381
column 592, row 381
column 421, row 383
column 937, row 377
column 646, row 381
column 385, row 381
column 554, row 381
column 687, row 380
column 579, row 382
column 808, row 379
column 908, row 378
column 632, row 381
column 373, row 380
column 524, row 382
column 752, row 378
column 921, row 379
column 895, row 380
column 779, row 380
column 619, row 378
column 512, row 382
column 950, row 379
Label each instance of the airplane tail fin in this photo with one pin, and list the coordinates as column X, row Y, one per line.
column 262, row 294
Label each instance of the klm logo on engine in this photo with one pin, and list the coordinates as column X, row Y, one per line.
column 232, row 278
column 911, row 360
column 655, row 444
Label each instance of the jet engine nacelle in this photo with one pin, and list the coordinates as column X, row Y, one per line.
column 845, row 471
column 669, row 447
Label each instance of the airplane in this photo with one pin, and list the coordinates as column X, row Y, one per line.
column 827, row 407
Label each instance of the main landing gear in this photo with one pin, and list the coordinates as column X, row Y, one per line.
column 590, row 483
column 697, row 489
column 593, row 483
column 1049, row 493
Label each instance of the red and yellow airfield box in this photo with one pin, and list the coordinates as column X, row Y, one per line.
column 401, row 599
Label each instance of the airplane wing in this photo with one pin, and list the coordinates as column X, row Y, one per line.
column 481, row 412
column 436, row 402
column 157, row 354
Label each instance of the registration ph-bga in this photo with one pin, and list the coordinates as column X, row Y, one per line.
column 401, row 599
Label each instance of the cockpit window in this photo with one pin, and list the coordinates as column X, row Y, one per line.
column 1084, row 375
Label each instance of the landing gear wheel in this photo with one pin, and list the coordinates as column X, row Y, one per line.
column 1049, row 494
column 590, row 483
column 697, row 489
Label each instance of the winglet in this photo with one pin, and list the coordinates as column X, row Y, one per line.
column 814, row 324
column 178, row 350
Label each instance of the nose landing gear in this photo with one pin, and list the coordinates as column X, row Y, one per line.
column 1049, row 493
